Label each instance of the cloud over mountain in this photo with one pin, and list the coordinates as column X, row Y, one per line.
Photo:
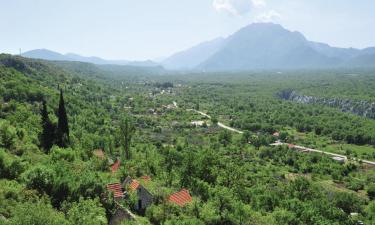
column 237, row 7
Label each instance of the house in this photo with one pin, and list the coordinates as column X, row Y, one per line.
column 117, row 190
column 180, row 198
column 145, row 198
column 115, row 166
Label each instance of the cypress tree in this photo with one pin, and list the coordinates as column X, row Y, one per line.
column 48, row 132
column 127, row 130
column 62, row 125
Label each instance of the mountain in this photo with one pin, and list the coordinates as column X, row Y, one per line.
column 191, row 58
column 45, row 54
column 55, row 56
column 268, row 46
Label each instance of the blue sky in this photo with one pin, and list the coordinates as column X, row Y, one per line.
column 148, row 29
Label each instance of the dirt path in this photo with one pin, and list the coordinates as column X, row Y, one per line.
column 219, row 123
column 302, row 148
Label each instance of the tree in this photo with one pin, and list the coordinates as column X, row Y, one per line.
column 255, row 140
column 225, row 138
column 62, row 125
column 8, row 135
column 246, row 137
column 371, row 191
column 38, row 213
column 214, row 120
column 87, row 212
column 48, row 133
column 127, row 130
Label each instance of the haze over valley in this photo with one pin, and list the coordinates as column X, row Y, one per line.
column 196, row 112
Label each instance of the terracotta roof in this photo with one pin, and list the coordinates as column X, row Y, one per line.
column 115, row 166
column 180, row 198
column 146, row 178
column 116, row 189
column 134, row 185
column 291, row 146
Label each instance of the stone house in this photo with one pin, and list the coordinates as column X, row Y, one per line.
column 145, row 198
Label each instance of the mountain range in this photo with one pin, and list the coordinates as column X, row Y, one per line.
column 55, row 56
column 268, row 46
column 258, row 46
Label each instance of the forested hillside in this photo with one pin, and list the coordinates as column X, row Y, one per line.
column 130, row 129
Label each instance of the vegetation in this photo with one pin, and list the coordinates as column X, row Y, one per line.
column 49, row 173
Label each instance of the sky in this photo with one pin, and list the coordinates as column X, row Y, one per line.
column 153, row 29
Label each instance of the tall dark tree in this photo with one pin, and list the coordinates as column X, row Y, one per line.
column 127, row 131
column 48, row 133
column 62, row 125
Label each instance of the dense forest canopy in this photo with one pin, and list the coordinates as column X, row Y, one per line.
column 69, row 129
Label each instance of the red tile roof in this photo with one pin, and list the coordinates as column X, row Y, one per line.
column 115, row 166
column 180, row 198
column 116, row 189
column 134, row 185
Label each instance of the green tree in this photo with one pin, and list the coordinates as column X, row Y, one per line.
column 48, row 129
column 246, row 137
column 62, row 125
column 225, row 138
column 256, row 141
column 371, row 191
column 8, row 135
column 37, row 214
column 127, row 130
column 87, row 212
column 214, row 120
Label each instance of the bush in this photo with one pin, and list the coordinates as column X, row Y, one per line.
column 87, row 212
column 40, row 178
column 58, row 154
column 371, row 191
column 37, row 214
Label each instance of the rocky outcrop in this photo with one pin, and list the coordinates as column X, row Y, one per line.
column 358, row 107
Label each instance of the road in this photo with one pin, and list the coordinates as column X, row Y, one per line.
column 219, row 123
column 301, row 148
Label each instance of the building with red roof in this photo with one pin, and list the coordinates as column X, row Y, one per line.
column 116, row 189
column 145, row 198
column 180, row 198
column 134, row 184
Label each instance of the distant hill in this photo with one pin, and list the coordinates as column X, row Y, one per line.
column 268, row 46
column 55, row 56
column 191, row 58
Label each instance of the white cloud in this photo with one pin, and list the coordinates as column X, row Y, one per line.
column 237, row 7
column 259, row 3
column 268, row 16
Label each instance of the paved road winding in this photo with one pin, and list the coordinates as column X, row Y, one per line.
column 302, row 148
